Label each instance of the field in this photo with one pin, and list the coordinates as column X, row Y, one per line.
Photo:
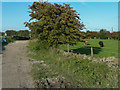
column 110, row 48
column 79, row 72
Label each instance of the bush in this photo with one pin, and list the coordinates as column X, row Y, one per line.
column 8, row 40
column 37, row 45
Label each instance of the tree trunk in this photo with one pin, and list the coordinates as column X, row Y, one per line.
column 68, row 47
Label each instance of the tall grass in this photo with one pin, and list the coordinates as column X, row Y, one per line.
column 82, row 73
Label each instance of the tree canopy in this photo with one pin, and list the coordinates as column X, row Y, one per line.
column 54, row 23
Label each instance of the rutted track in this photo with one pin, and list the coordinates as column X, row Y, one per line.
column 16, row 66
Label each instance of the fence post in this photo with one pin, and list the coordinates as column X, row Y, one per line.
column 91, row 51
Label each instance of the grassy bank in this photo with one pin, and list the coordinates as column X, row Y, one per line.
column 81, row 73
column 110, row 48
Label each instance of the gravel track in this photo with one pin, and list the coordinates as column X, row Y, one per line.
column 16, row 66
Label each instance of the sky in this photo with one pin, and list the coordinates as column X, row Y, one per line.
column 95, row 15
column 62, row 0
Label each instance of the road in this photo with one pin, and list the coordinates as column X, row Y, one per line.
column 16, row 66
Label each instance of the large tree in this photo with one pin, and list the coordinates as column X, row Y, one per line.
column 54, row 23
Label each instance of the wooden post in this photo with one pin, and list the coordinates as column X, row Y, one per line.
column 91, row 51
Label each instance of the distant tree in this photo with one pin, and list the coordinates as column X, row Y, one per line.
column 115, row 35
column 3, row 34
column 118, row 35
column 92, row 34
column 23, row 33
column 103, row 34
column 54, row 23
column 11, row 32
column 108, row 34
column 89, row 34
column 95, row 34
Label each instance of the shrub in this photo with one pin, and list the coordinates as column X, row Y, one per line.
column 37, row 45
column 8, row 39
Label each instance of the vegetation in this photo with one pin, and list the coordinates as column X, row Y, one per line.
column 110, row 48
column 11, row 32
column 8, row 40
column 81, row 73
column 102, row 34
column 54, row 24
column 21, row 33
column 59, row 26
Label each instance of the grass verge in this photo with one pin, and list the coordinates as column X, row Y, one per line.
column 81, row 73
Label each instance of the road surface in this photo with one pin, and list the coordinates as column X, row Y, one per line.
column 16, row 66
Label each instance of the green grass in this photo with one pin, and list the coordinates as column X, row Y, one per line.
column 110, row 48
column 82, row 73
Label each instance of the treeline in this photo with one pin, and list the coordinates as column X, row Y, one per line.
column 20, row 33
column 2, row 33
column 102, row 34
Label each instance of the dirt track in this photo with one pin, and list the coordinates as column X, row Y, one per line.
column 16, row 66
